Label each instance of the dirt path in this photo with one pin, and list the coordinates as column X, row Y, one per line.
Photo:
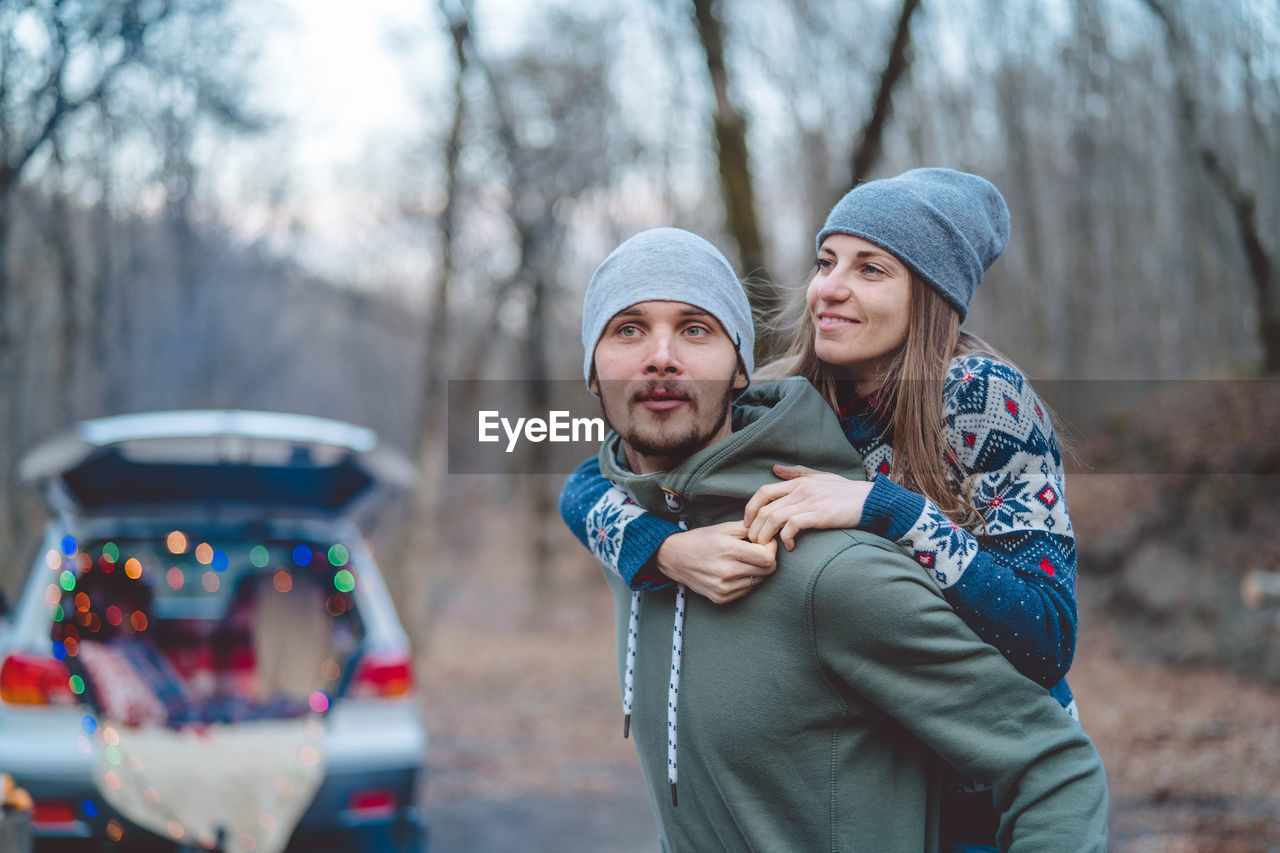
column 1192, row 756
column 526, row 749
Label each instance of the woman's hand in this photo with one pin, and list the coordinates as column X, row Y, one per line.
column 804, row 500
column 717, row 561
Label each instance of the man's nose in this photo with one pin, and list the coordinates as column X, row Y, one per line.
column 661, row 356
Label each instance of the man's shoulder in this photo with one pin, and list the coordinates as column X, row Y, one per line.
column 864, row 590
column 873, row 558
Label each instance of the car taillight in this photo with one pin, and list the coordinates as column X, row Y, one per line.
column 53, row 814
column 371, row 803
column 383, row 675
column 29, row 679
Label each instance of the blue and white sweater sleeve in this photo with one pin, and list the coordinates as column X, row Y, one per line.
column 622, row 535
column 1014, row 585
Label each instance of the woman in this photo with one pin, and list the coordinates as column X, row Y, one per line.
column 963, row 466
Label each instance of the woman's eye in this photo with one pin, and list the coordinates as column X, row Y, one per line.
column 872, row 269
column 825, row 264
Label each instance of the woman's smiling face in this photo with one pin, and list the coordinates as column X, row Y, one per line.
column 859, row 301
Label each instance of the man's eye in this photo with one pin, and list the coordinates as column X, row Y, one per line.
column 697, row 331
column 628, row 331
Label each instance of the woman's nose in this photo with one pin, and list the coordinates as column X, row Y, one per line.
column 833, row 287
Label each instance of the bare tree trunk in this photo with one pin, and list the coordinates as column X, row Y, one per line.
column 1027, row 181
column 736, row 184
column 67, row 346
column 731, row 143
column 1074, row 323
column 425, row 528
column 17, row 315
column 542, row 507
column 430, row 417
column 1243, row 203
column 10, row 420
column 531, row 273
column 871, row 139
column 1262, row 268
column 105, row 362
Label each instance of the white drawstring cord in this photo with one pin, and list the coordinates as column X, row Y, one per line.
column 628, row 681
column 673, row 690
column 673, row 686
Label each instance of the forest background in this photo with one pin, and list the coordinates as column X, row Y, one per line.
column 161, row 247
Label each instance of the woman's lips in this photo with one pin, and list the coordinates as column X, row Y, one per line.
column 831, row 322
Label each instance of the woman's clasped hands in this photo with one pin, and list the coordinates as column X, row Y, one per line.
column 805, row 500
column 724, row 562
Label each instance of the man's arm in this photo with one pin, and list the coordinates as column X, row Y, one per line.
column 885, row 630
column 622, row 535
column 649, row 552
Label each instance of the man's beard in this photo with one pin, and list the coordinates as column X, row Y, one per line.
column 699, row 432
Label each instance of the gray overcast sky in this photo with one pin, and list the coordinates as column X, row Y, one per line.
column 337, row 77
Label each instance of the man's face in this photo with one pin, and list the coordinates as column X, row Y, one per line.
column 666, row 374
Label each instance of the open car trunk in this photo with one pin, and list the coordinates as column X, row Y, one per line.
column 208, row 664
column 209, row 614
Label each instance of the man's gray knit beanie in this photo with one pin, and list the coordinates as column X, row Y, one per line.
column 667, row 265
column 948, row 226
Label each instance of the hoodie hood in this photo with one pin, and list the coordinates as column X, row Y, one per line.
column 784, row 422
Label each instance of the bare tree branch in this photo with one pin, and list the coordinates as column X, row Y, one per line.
column 871, row 139
column 1243, row 204
column 736, row 183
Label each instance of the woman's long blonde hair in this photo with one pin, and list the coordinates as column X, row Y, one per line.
column 914, row 380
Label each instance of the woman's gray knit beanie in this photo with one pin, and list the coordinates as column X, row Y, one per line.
column 947, row 226
column 668, row 265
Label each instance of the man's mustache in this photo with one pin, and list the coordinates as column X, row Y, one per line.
column 662, row 389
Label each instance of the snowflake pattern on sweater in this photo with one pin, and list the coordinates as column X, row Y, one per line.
column 607, row 523
column 998, row 429
column 605, row 519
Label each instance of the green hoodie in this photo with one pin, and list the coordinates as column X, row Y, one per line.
column 812, row 712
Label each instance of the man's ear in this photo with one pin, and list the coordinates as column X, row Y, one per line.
column 592, row 385
column 740, row 379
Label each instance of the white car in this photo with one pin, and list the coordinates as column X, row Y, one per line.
column 205, row 650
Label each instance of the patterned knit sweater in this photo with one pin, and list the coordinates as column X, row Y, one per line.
column 1014, row 584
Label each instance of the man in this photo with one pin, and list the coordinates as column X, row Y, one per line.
column 816, row 713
